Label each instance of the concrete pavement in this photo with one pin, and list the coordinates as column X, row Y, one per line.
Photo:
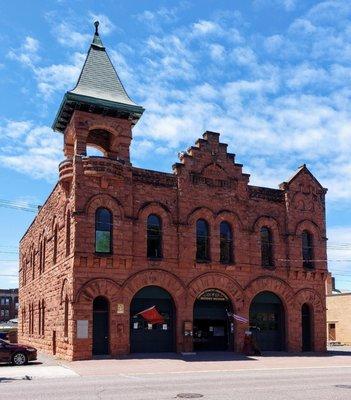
column 278, row 384
column 217, row 376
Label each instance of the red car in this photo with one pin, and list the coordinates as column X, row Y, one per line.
column 17, row 354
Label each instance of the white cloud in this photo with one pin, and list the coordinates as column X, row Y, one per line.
column 67, row 36
column 203, row 27
column 106, row 25
column 59, row 77
column 35, row 150
column 27, row 53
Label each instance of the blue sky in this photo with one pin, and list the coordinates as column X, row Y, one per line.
column 273, row 76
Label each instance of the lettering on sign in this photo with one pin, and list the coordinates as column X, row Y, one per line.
column 213, row 295
column 219, row 183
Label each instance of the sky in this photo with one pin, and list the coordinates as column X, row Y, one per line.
column 272, row 76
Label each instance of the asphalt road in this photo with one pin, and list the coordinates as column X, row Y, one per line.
column 273, row 384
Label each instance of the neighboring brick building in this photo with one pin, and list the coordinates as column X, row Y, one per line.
column 113, row 240
column 8, row 304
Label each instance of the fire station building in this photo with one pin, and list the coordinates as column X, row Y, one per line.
column 121, row 259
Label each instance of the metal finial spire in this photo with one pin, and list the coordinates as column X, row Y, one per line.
column 96, row 23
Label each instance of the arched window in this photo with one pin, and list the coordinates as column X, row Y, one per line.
column 226, row 243
column 68, row 234
column 39, row 317
column 54, row 252
column 266, row 247
column 202, row 241
column 307, row 249
column 65, row 323
column 154, row 236
column 43, row 317
column 103, row 231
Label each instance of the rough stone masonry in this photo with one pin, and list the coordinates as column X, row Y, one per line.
column 62, row 272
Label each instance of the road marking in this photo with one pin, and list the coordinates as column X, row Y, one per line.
column 234, row 370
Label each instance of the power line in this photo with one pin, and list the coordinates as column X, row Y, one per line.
column 18, row 205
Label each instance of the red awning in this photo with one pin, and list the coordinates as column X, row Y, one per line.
column 152, row 316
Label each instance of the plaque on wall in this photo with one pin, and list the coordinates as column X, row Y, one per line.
column 120, row 308
column 82, row 329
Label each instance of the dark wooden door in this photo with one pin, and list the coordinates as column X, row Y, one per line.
column 331, row 332
column 100, row 326
column 152, row 338
column 306, row 328
column 267, row 318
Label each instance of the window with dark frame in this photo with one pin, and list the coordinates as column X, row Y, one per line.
column 307, row 249
column 65, row 323
column 154, row 236
column 68, row 234
column 266, row 247
column 226, row 243
column 202, row 241
column 103, row 231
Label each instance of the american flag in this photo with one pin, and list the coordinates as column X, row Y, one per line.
column 237, row 317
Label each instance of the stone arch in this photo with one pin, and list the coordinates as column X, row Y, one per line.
column 104, row 200
column 271, row 284
column 270, row 222
column 231, row 217
column 98, row 287
column 203, row 213
column 65, row 291
column 312, row 298
column 217, row 280
column 157, row 208
column 309, row 226
column 155, row 277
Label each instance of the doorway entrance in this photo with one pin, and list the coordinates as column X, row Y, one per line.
column 147, row 333
column 306, row 322
column 212, row 329
column 100, row 326
column 267, row 321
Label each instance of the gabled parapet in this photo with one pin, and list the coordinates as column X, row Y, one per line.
column 304, row 192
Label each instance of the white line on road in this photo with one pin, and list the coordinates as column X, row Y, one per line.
column 234, row 370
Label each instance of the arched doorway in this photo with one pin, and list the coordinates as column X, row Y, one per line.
column 212, row 328
column 268, row 322
column 100, row 326
column 152, row 321
column 306, row 323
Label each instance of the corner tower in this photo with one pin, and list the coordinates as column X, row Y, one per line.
column 98, row 111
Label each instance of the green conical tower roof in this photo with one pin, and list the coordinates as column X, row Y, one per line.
column 98, row 89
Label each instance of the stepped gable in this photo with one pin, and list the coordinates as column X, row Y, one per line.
column 209, row 163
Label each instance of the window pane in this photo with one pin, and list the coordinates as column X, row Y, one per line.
column 202, row 241
column 266, row 247
column 307, row 249
column 154, row 237
column 103, row 231
column 226, row 243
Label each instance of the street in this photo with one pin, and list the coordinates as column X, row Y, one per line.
column 217, row 376
column 309, row 383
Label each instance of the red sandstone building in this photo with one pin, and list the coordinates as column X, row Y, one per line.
column 195, row 246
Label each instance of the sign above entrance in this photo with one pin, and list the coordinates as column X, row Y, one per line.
column 213, row 295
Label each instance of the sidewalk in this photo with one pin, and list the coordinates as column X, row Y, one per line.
column 171, row 363
column 151, row 364
column 44, row 367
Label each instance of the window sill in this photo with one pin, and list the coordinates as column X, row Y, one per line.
column 269, row 267
column 155, row 258
column 103, row 254
column 203, row 261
